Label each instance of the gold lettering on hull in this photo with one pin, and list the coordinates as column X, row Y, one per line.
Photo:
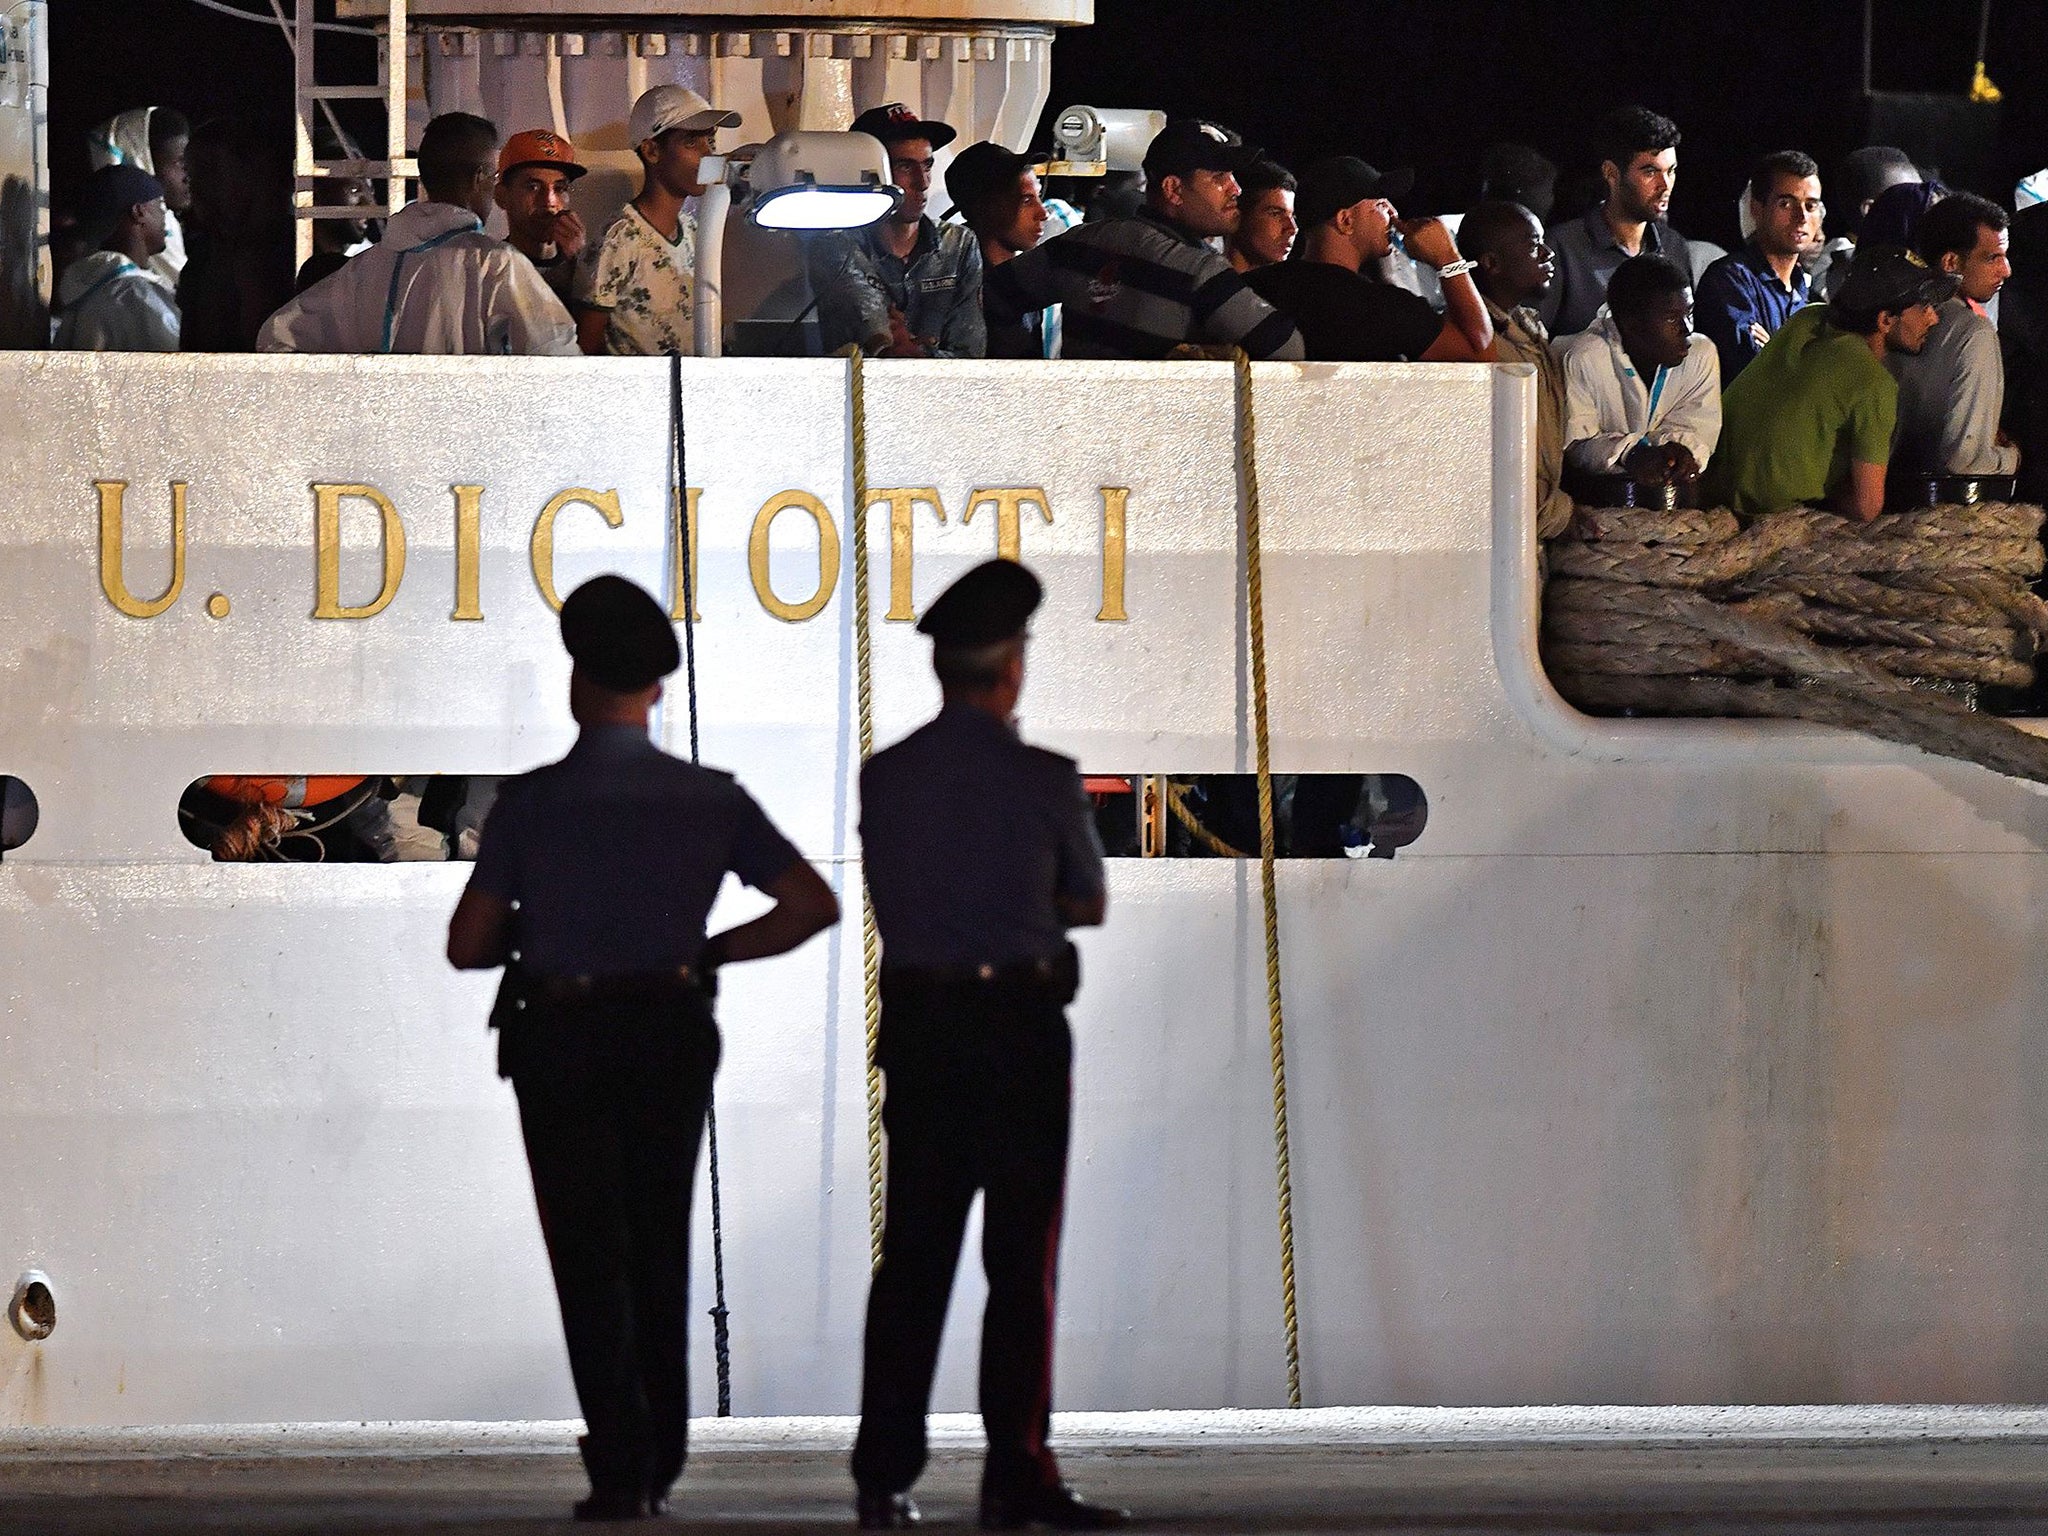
column 542, row 547
column 902, row 509
column 112, row 581
column 469, row 517
column 1009, row 502
column 1116, row 501
column 828, row 556
column 679, row 540
column 327, row 500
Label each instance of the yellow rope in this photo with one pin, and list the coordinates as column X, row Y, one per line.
column 1177, row 802
column 1248, row 471
column 870, row 947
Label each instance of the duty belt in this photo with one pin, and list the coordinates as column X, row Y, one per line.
column 624, row 987
column 1054, row 971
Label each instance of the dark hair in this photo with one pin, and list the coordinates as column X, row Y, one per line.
column 974, row 668
column 1263, row 175
column 1515, row 173
column 992, row 207
column 1952, row 225
column 166, row 124
column 1632, row 131
column 1866, row 172
column 1858, row 322
column 1642, row 279
column 1489, row 226
column 1781, row 162
column 453, row 148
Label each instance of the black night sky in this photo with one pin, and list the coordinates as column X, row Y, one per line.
column 1404, row 82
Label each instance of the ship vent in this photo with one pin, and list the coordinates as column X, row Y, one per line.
column 33, row 1311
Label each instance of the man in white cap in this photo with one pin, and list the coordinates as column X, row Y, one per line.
column 436, row 283
column 634, row 293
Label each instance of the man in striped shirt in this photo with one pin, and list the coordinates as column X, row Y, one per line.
column 1142, row 286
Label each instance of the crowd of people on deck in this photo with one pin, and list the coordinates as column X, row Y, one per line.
column 1852, row 372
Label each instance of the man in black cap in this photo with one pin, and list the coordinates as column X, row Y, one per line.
column 1811, row 419
column 996, row 192
column 112, row 300
column 1142, row 286
column 906, row 286
column 1347, row 221
column 597, row 872
column 980, row 853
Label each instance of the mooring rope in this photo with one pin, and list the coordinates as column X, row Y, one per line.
column 864, row 690
column 685, row 540
column 1255, row 596
column 1805, row 615
column 1177, row 802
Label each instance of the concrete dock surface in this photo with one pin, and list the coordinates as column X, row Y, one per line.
column 1787, row 1471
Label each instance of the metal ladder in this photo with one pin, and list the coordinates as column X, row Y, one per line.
column 395, row 170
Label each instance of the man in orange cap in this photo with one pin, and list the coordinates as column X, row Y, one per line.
column 535, row 169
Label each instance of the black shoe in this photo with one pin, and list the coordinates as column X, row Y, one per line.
column 885, row 1511
column 661, row 1483
column 612, row 1504
column 1057, row 1506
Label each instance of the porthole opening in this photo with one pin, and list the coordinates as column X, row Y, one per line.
column 336, row 818
column 1216, row 815
column 19, row 814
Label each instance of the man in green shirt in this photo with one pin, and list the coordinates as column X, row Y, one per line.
column 1811, row 419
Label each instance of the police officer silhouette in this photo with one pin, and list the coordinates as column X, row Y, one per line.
column 980, row 854
column 598, row 871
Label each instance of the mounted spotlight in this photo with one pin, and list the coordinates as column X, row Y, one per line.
column 796, row 182
column 821, row 181
column 1093, row 141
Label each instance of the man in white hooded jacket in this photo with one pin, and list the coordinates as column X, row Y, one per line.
column 110, row 301
column 436, row 283
column 152, row 139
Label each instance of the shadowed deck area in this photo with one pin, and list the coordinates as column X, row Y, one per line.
column 1785, row 1470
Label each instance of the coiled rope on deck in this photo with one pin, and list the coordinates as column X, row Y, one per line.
column 1802, row 614
column 1255, row 601
column 864, row 691
column 685, row 535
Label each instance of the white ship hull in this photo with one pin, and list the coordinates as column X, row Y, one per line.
column 1676, row 1062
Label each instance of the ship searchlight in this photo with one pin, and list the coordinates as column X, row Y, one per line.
column 798, row 180
column 809, row 181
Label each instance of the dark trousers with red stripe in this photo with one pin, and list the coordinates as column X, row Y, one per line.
column 978, row 1100
column 612, row 1098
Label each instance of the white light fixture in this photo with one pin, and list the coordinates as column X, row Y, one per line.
column 821, row 181
column 798, row 181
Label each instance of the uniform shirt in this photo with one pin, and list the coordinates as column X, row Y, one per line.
column 1740, row 291
column 1137, row 288
column 1813, row 400
column 1519, row 337
column 645, row 283
column 1587, row 254
column 937, row 288
column 616, row 853
column 436, row 284
column 1610, row 408
column 1344, row 317
column 106, row 303
column 967, row 836
column 1951, row 395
